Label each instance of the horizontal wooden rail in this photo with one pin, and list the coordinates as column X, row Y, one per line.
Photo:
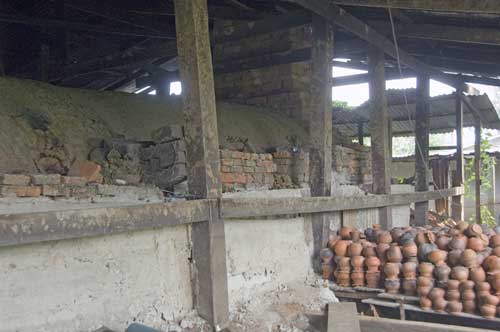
column 25, row 228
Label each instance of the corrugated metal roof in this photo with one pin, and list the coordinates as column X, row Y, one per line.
column 402, row 112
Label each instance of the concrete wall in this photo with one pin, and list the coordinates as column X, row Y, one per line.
column 80, row 285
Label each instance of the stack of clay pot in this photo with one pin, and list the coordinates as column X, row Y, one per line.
column 451, row 269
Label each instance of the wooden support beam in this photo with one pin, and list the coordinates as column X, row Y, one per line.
column 340, row 17
column 203, row 160
column 319, row 118
column 44, row 62
column 422, row 124
column 444, row 147
column 466, row 6
column 361, row 135
column 457, row 202
column 379, row 129
column 477, row 167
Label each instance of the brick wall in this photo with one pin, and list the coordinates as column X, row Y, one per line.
column 351, row 164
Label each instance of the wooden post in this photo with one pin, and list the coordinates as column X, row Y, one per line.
column 477, row 166
column 320, row 125
column 360, row 134
column 457, row 202
column 44, row 62
column 196, row 72
column 379, row 129
column 422, row 147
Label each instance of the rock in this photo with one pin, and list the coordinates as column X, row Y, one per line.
column 167, row 133
column 49, row 165
column 87, row 169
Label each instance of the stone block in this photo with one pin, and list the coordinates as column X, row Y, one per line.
column 225, row 169
column 237, row 169
column 233, row 178
column 265, row 163
column 237, row 162
column 87, row 169
column 80, row 192
column 247, row 169
column 237, row 155
column 15, row 179
column 251, row 163
column 260, row 169
column 20, row 191
column 74, row 180
column 56, row 190
column 46, row 179
column 227, row 162
column 226, row 154
column 147, row 153
column 167, row 133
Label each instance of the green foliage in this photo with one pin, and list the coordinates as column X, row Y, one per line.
column 341, row 104
column 487, row 166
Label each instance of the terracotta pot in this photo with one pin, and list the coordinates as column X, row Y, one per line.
column 496, row 251
column 410, row 286
column 408, row 236
column 384, row 237
column 343, row 279
column 461, row 226
column 453, row 284
column 454, row 307
column 495, row 241
column 494, row 280
column 473, row 230
column 438, row 257
column 477, row 274
column 460, row 273
column 439, row 304
column 425, row 237
column 396, row 234
column 425, row 303
column 326, row 255
column 345, row 233
column 426, row 269
column 424, row 285
column 369, row 233
column 341, row 248
column 410, row 249
column 481, row 256
column 488, row 311
column 373, row 279
column 357, row 263
column 410, row 270
column 327, row 271
column 344, row 264
column 454, row 257
column 442, row 274
column 381, row 250
column 355, row 235
column 443, row 241
column 425, row 249
column 394, row 254
column 469, row 258
column 436, row 293
column 391, row 270
column 483, row 288
column 392, row 286
column 469, row 306
column 492, row 300
column 492, row 263
column 453, row 295
column 369, row 250
column 475, row 244
column 354, row 249
column 332, row 240
column 458, row 242
column 358, row 279
column 372, row 263
column 485, row 238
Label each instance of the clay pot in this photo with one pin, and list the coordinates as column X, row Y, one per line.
column 469, row 306
column 425, row 303
column 396, row 234
column 473, row 230
column 424, row 285
column 369, row 233
column 344, row 264
column 326, row 255
column 454, row 307
column 453, row 284
column 442, row 242
column 425, row 237
column 495, row 241
column 488, row 305
column 345, row 233
column 332, row 240
column 391, row 270
column 392, row 286
column 355, row 235
column 475, row 244
column 358, row 279
column 372, row 263
column 469, row 258
column 455, row 257
column 436, row 293
column 438, row 257
column 357, row 263
column 485, row 239
column 453, row 295
column 410, row 270
column 460, row 273
column 426, row 269
column 496, row 251
column 483, row 288
column 481, row 256
column 458, row 242
column 354, row 249
column 341, row 248
column 425, row 249
column 327, row 271
column 384, row 237
column 343, row 279
column 408, row 236
column 442, row 274
column 437, row 297
column 373, row 279
column 410, row 249
column 410, row 286
column 394, row 254
column 477, row 274
column 369, row 250
column 381, row 250
column 494, row 280
column 492, row 263
column 488, row 311
column 462, row 226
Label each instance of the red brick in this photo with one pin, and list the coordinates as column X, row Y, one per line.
column 238, row 155
column 15, row 179
column 225, row 169
column 264, row 163
column 87, row 169
column 74, row 180
column 42, row 179
column 233, row 178
column 21, row 191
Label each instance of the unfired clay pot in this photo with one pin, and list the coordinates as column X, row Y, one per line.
column 343, row 278
column 326, row 255
column 494, row 280
column 442, row 274
column 424, row 285
column 369, row 250
column 473, row 230
column 327, row 270
column 496, row 251
column 469, row 306
column 488, row 305
column 381, row 250
column 492, row 263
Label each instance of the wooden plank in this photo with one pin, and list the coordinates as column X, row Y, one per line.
column 379, row 130
column 203, row 159
column 372, row 324
column 477, row 167
column 457, row 202
column 466, row 6
column 319, row 119
column 24, row 228
column 422, row 124
column 340, row 17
